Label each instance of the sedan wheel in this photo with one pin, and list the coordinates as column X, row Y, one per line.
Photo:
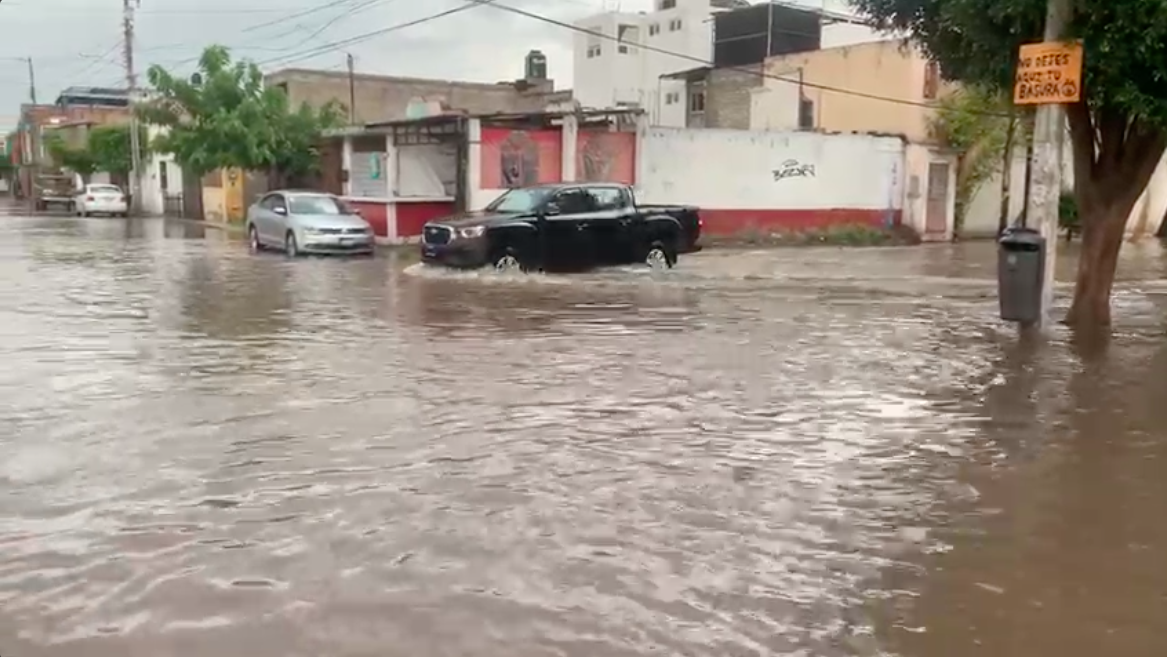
column 253, row 240
column 290, row 246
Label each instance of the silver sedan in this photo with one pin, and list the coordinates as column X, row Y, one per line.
column 299, row 222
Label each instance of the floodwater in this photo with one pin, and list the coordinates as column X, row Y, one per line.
column 812, row 453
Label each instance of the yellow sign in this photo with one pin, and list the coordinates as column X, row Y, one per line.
column 1048, row 73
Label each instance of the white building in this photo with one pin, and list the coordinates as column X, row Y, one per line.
column 161, row 181
column 611, row 71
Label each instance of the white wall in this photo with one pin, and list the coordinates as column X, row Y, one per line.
column 427, row 170
column 848, row 171
column 615, row 77
column 836, row 35
column 153, row 189
column 774, row 105
column 984, row 209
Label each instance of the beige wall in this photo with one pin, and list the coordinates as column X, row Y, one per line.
column 887, row 69
column 384, row 98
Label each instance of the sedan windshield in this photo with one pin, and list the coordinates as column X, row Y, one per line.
column 315, row 205
column 104, row 189
column 518, row 201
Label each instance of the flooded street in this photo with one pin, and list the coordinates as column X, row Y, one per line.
column 804, row 452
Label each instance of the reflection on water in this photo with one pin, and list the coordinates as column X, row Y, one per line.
column 803, row 452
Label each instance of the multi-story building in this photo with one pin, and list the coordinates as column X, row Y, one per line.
column 782, row 67
column 75, row 105
column 619, row 57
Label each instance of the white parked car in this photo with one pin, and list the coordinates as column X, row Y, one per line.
column 101, row 199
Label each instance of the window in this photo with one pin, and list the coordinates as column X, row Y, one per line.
column 931, row 81
column 668, row 4
column 697, row 102
column 519, row 201
column 672, row 97
column 273, row 201
column 315, row 204
column 104, row 189
column 805, row 114
column 654, row 29
column 609, row 198
column 593, row 51
column 622, row 49
column 674, row 25
column 163, row 178
column 574, row 201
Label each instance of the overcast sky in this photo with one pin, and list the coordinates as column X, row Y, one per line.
column 78, row 42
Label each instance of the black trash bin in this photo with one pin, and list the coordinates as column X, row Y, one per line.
column 1020, row 278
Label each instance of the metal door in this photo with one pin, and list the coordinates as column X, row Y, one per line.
column 936, row 209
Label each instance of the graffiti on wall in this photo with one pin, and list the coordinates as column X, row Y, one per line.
column 517, row 158
column 604, row 156
column 794, row 169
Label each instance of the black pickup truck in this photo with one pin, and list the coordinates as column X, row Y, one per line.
column 560, row 226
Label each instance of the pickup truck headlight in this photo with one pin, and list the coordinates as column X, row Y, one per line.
column 471, row 232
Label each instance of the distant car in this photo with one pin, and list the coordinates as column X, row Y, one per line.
column 101, row 199
column 560, row 226
column 301, row 222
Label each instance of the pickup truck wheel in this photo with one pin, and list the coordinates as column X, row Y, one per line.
column 659, row 256
column 508, row 262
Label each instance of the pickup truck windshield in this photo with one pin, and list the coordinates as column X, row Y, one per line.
column 518, row 201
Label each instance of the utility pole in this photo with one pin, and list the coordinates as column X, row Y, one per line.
column 132, row 91
column 31, row 81
column 352, row 92
column 1045, row 177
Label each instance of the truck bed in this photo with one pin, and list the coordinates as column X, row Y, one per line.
column 689, row 218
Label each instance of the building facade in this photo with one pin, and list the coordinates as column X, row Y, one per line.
column 883, row 86
column 74, row 106
column 619, row 57
column 379, row 98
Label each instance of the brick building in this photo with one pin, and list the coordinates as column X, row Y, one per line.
column 75, row 107
column 380, row 98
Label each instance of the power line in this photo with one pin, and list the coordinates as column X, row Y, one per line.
column 306, row 12
column 343, row 43
column 740, row 69
column 267, row 24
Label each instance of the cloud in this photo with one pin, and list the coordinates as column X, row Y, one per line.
column 78, row 42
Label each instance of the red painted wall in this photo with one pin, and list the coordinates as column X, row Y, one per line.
column 734, row 222
column 375, row 213
column 604, row 156
column 411, row 217
column 515, row 158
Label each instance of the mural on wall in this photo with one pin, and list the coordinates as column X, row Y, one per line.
column 603, row 156
column 516, row 158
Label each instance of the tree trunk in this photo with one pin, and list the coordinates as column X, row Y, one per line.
column 1114, row 157
column 1097, row 265
column 1006, row 177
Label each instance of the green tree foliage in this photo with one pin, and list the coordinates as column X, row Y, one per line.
column 224, row 117
column 77, row 160
column 109, row 147
column 1118, row 131
column 973, row 122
